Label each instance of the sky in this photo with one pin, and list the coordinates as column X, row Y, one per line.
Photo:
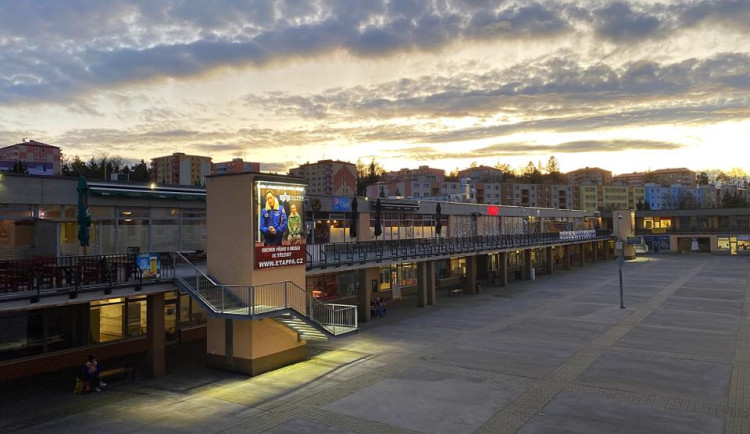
column 626, row 86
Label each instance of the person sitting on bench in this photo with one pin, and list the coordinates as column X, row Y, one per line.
column 91, row 371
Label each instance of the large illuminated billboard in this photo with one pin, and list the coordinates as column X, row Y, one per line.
column 280, row 224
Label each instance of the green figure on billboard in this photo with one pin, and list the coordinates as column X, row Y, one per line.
column 272, row 221
column 295, row 224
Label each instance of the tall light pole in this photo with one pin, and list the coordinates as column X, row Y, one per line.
column 621, row 259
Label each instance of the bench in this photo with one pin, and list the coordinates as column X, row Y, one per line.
column 117, row 373
column 455, row 291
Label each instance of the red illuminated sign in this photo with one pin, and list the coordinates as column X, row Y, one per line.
column 493, row 210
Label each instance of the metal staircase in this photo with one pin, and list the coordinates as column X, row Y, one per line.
column 285, row 302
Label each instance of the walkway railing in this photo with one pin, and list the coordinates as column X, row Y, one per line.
column 249, row 301
column 43, row 276
column 343, row 254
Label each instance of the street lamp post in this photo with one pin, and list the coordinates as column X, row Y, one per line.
column 621, row 259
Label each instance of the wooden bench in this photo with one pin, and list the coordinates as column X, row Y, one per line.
column 455, row 291
column 117, row 373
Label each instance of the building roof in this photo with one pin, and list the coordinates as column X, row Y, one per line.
column 32, row 143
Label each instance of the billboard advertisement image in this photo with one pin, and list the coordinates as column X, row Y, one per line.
column 280, row 232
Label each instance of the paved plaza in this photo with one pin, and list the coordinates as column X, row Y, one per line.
column 555, row 355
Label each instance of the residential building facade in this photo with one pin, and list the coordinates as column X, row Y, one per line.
column 38, row 158
column 331, row 177
column 237, row 165
column 181, row 169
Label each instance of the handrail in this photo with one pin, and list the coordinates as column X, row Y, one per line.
column 250, row 300
column 340, row 254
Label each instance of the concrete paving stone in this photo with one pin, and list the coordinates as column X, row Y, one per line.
column 555, row 329
column 508, row 355
column 711, row 293
column 613, row 298
column 715, row 322
column 679, row 341
column 430, row 402
column 577, row 413
column 702, row 305
column 587, row 312
column 660, row 376
column 300, row 426
column 645, row 290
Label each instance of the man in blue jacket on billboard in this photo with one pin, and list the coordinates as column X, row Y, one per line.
column 272, row 221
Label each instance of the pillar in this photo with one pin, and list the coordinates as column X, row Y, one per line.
column 503, row 269
column 567, row 257
column 365, row 295
column 550, row 251
column 431, row 283
column 582, row 248
column 471, row 274
column 155, row 350
column 422, row 284
column 596, row 251
column 527, row 264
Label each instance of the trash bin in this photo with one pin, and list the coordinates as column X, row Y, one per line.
column 533, row 273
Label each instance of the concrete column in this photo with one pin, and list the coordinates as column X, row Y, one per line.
column 471, row 274
column 567, row 257
column 503, row 269
column 526, row 264
column 582, row 249
column 431, row 283
column 422, row 284
column 155, row 350
column 365, row 295
column 550, row 251
column 596, row 250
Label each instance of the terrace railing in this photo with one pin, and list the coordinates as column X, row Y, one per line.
column 349, row 254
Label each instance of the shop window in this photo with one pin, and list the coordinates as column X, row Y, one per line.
column 21, row 335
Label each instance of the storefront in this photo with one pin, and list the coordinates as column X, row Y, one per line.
column 734, row 244
column 49, row 330
column 334, row 285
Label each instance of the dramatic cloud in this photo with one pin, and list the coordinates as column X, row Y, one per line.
column 427, row 153
column 53, row 51
column 286, row 80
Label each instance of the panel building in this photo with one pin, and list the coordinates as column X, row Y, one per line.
column 181, row 169
column 336, row 178
column 38, row 158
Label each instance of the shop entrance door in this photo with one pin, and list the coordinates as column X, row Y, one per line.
column 732, row 245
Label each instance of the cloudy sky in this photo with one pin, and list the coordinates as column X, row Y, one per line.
column 621, row 85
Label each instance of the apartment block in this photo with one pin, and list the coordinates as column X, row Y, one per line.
column 38, row 158
column 181, row 169
column 590, row 175
column 237, row 165
column 329, row 177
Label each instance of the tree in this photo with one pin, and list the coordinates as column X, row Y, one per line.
column 362, row 177
column 140, row 172
column 646, row 206
column 473, row 165
column 506, row 169
column 452, row 176
column 649, row 177
column 531, row 174
column 737, row 175
column 702, row 178
column 553, row 170
column 19, row 167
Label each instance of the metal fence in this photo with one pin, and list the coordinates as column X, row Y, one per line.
column 341, row 254
column 41, row 276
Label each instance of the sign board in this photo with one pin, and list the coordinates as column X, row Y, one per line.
column 493, row 210
column 280, row 232
column 342, row 203
column 634, row 241
column 150, row 265
column 618, row 245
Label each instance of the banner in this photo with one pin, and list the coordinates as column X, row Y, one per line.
column 150, row 265
column 280, row 234
column 342, row 203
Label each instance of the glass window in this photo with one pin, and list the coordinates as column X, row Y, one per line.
column 21, row 335
column 106, row 322
column 66, row 327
